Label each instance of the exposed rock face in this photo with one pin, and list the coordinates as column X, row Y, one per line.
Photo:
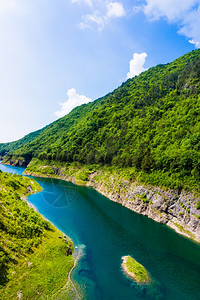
column 16, row 162
column 177, row 210
column 29, row 189
column 69, row 250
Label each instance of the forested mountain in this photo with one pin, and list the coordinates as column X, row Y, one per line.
column 9, row 147
column 150, row 123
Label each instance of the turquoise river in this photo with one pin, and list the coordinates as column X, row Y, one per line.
column 105, row 231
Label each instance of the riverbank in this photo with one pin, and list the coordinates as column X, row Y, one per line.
column 179, row 210
column 36, row 258
column 70, row 288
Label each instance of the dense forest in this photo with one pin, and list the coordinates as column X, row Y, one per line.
column 33, row 261
column 151, row 123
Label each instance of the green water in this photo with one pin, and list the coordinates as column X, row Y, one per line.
column 105, row 231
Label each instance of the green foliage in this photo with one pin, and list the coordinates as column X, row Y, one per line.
column 7, row 147
column 183, row 206
column 136, row 270
column 21, row 227
column 29, row 245
column 143, row 198
column 198, row 205
column 151, row 123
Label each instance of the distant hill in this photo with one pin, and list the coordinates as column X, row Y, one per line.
column 9, row 147
column 150, row 123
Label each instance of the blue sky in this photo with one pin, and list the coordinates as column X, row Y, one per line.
column 56, row 54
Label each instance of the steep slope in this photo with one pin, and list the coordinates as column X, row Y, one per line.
column 151, row 123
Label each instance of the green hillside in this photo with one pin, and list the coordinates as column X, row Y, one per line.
column 151, row 123
column 33, row 261
column 8, row 147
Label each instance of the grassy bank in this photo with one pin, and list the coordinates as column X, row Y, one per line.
column 135, row 270
column 78, row 173
column 81, row 174
column 35, row 258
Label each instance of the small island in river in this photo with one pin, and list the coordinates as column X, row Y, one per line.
column 134, row 270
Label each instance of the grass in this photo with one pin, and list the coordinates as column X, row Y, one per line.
column 81, row 174
column 135, row 270
column 34, row 256
column 41, row 274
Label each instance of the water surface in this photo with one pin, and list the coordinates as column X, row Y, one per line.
column 105, row 231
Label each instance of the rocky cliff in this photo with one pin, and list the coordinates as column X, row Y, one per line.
column 176, row 210
column 15, row 161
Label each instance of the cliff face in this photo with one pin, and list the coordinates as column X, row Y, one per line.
column 16, row 161
column 176, row 210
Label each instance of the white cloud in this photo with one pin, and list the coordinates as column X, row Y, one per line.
column 170, row 9
column 186, row 13
column 101, row 13
column 137, row 9
column 136, row 65
column 95, row 18
column 191, row 27
column 87, row 2
column 73, row 100
column 197, row 44
column 115, row 10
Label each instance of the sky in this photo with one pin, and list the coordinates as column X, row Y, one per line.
column 57, row 54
